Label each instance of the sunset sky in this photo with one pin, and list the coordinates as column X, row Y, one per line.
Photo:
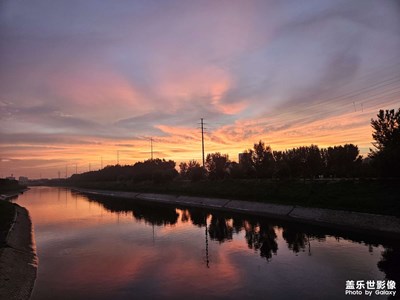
column 81, row 80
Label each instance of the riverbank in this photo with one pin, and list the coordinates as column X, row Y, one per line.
column 18, row 259
column 7, row 212
column 375, row 224
column 361, row 195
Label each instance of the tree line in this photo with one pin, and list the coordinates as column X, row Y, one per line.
column 306, row 162
column 342, row 161
column 301, row 162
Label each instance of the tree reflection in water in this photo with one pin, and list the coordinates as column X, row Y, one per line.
column 156, row 216
column 261, row 237
column 260, row 233
column 390, row 263
column 296, row 240
column 219, row 229
column 198, row 217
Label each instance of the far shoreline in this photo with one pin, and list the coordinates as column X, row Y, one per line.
column 358, row 222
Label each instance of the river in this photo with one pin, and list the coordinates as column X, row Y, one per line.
column 103, row 248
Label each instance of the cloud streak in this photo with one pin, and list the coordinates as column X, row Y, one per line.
column 83, row 80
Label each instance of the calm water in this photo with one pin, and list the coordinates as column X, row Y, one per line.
column 103, row 248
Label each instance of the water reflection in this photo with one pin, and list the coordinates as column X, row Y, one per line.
column 390, row 262
column 93, row 247
column 260, row 234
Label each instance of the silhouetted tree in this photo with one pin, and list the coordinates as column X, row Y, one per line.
column 195, row 172
column 216, row 165
column 191, row 170
column 158, row 170
column 183, row 169
column 235, row 170
column 342, row 161
column 262, row 160
column 387, row 142
column 282, row 169
column 246, row 164
column 305, row 161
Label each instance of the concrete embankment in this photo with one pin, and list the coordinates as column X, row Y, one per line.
column 18, row 260
column 388, row 226
column 11, row 195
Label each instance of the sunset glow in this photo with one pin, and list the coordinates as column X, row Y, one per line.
column 87, row 84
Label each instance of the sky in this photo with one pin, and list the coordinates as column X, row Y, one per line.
column 85, row 84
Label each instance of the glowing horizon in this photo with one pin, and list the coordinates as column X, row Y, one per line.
column 81, row 81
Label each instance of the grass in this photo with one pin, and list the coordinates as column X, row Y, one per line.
column 7, row 211
column 372, row 196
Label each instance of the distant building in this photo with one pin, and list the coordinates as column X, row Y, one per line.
column 23, row 180
column 11, row 177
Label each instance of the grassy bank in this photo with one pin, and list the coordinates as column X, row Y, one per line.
column 7, row 211
column 373, row 196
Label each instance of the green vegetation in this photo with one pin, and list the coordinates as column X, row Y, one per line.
column 373, row 196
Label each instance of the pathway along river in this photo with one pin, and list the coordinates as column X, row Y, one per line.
column 103, row 248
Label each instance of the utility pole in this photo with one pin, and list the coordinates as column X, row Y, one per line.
column 151, row 148
column 117, row 157
column 202, row 139
column 66, row 171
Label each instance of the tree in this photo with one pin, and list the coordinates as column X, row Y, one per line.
column 216, row 165
column 282, row 169
column 262, row 160
column 194, row 172
column 305, row 161
column 312, row 161
column 386, row 154
column 183, row 169
column 386, row 130
column 342, row 161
